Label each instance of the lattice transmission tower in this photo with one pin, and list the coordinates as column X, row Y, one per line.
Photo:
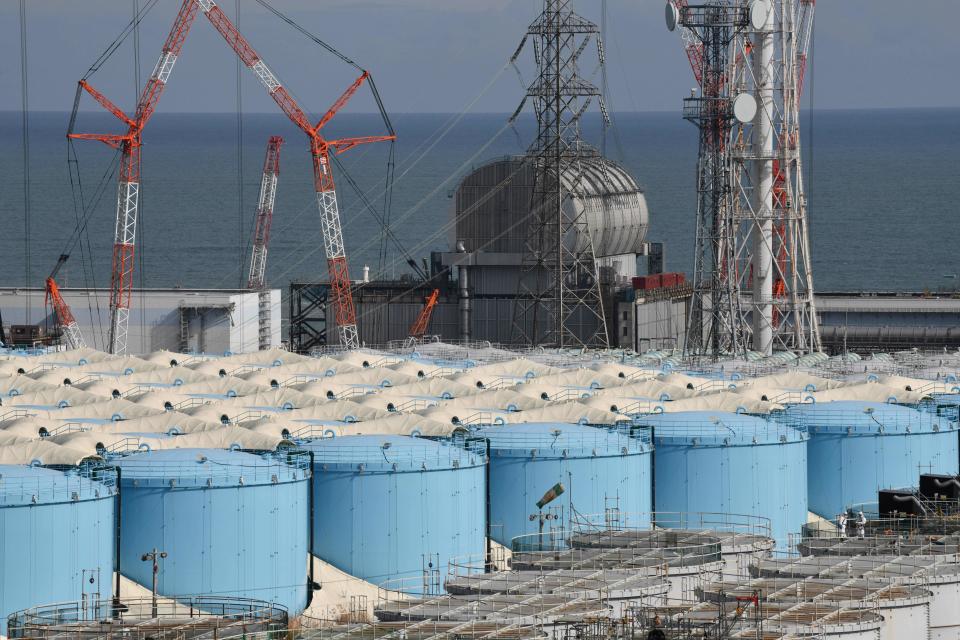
column 716, row 324
column 770, row 205
column 559, row 299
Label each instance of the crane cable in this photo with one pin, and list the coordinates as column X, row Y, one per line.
column 141, row 231
column 84, row 210
column 371, row 83
column 25, row 144
column 431, row 142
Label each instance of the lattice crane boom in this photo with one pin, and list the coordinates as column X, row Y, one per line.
column 69, row 328
column 65, row 320
column 419, row 327
column 804, row 33
column 128, row 189
column 320, row 148
column 256, row 279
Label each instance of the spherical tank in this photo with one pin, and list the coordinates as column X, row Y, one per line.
column 718, row 462
column 598, row 468
column 857, row 448
column 491, row 203
column 397, row 509
column 56, row 536
column 231, row 523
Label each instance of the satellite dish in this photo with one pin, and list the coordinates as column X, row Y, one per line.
column 759, row 13
column 672, row 16
column 744, row 108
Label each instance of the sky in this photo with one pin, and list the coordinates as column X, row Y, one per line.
column 451, row 55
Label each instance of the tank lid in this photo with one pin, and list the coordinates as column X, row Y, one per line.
column 25, row 485
column 390, row 453
column 211, row 468
column 846, row 416
column 559, row 440
column 716, row 428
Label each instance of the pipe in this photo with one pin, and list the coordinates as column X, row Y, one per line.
column 912, row 499
column 488, row 565
column 118, row 521
column 463, row 278
column 762, row 198
column 310, row 574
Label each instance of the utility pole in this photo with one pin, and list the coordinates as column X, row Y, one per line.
column 155, row 557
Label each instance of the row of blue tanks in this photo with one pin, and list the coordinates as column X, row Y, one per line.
column 385, row 507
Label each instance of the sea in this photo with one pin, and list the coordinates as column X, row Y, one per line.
column 883, row 189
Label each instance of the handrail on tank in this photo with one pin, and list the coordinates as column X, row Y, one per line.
column 75, row 481
column 605, row 439
column 426, row 453
column 565, row 548
column 401, row 588
column 862, row 419
column 67, row 619
column 14, row 414
column 282, row 458
column 770, row 426
column 616, row 520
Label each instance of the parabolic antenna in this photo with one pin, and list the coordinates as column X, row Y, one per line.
column 744, row 108
column 759, row 13
column 672, row 15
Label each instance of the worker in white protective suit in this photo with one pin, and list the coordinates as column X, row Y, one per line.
column 842, row 525
column 861, row 525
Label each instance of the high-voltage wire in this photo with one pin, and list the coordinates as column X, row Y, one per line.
column 25, row 144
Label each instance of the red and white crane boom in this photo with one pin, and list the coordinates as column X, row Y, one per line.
column 69, row 328
column 128, row 192
column 804, row 31
column 320, row 149
column 419, row 327
column 256, row 279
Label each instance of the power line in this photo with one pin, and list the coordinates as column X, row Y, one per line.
column 25, row 144
column 241, row 252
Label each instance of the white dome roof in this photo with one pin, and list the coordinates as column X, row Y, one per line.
column 491, row 217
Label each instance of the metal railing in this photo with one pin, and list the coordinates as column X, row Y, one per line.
column 598, row 440
column 274, row 466
column 83, row 482
column 454, row 454
column 134, row 619
column 616, row 520
column 659, row 551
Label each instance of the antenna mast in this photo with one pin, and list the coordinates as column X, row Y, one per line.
column 773, row 248
column 716, row 324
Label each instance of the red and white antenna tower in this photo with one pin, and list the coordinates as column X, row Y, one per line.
column 321, row 149
column 773, row 247
column 128, row 192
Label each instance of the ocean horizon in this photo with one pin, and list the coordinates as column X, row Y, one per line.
column 882, row 184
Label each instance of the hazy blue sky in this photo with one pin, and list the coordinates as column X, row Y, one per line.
column 438, row 55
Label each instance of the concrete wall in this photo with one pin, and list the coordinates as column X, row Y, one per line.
column 219, row 320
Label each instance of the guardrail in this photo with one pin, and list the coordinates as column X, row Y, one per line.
column 616, row 520
column 83, row 481
column 134, row 619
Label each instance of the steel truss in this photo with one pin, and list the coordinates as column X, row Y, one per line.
column 559, row 299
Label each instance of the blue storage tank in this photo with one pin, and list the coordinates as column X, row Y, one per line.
column 397, row 508
column 56, row 533
column 232, row 523
column 857, row 448
column 598, row 468
column 730, row 463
